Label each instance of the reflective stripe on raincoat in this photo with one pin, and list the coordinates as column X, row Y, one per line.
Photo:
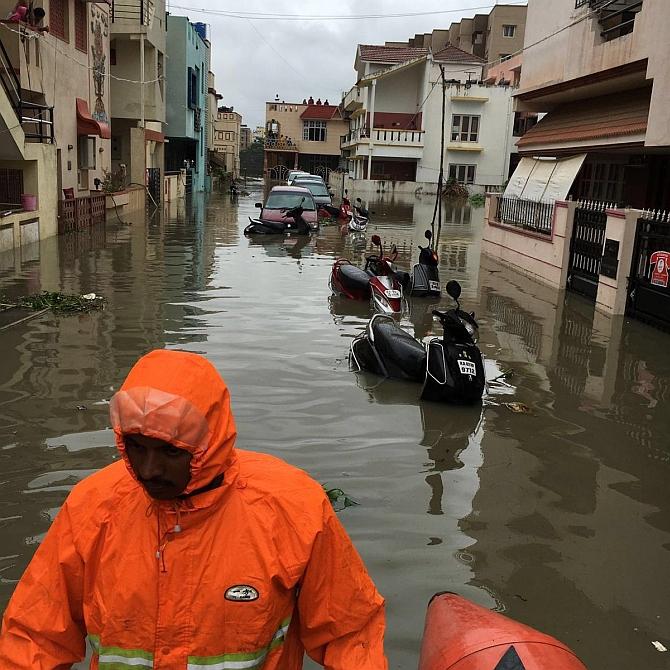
column 247, row 575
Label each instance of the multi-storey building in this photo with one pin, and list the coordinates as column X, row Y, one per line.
column 303, row 135
column 137, row 63
column 187, row 75
column 494, row 36
column 55, row 117
column 598, row 68
column 245, row 137
column 395, row 116
column 227, row 138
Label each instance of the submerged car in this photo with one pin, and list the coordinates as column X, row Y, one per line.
column 292, row 174
column 317, row 188
column 282, row 198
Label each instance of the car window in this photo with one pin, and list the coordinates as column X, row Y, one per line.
column 315, row 187
column 287, row 200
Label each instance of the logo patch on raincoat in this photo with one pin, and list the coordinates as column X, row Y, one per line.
column 241, row 593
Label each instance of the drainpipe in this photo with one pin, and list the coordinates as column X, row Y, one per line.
column 372, row 125
column 142, row 80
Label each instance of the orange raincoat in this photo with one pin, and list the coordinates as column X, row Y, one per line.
column 247, row 575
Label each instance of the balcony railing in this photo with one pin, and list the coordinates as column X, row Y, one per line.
column 536, row 217
column 36, row 120
column 137, row 11
column 383, row 136
column 280, row 144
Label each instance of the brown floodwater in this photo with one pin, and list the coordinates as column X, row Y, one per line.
column 559, row 518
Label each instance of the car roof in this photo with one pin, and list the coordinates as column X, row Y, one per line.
column 290, row 189
column 306, row 177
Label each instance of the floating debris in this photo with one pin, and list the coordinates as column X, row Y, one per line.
column 82, row 408
column 60, row 303
column 339, row 499
column 659, row 646
column 517, row 407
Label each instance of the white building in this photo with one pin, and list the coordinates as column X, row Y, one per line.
column 395, row 119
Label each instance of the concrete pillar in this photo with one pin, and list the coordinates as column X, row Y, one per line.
column 613, row 291
column 371, row 147
column 137, row 168
column 563, row 226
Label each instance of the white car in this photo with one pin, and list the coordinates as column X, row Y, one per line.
column 292, row 174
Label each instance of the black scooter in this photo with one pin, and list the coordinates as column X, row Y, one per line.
column 451, row 368
column 296, row 227
column 425, row 274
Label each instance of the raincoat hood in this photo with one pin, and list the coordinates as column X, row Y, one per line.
column 179, row 398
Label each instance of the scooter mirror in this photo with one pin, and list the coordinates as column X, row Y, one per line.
column 394, row 252
column 428, row 235
column 259, row 205
column 376, row 240
column 454, row 289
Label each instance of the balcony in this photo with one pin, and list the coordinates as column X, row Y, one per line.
column 353, row 99
column 616, row 17
column 138, row 12
column 388, row 136
column 17, row 61
column 280, row 144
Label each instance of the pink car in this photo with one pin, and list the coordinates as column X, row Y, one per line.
column 282, row 198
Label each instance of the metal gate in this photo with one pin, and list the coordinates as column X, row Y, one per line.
column 648, row 292
column 154, row 183
column 188, row 184
column 586, row 248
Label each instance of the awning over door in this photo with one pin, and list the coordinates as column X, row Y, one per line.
column 87, row 125
column 580, row 125
column 544, row 179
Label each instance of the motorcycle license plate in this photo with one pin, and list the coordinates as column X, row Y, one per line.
column 434, row 285
column 392, row 293
column 467, row 368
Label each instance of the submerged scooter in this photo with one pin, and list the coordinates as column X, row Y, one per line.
column 425, row 274
column 451, row 368
column 296, row 227
column 379, row 280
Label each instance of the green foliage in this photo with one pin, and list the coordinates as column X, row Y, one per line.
column 454, row 190
column 477, row 200
column 59, row 303
column 339, row 499
column 251, row 159
column 113, row 182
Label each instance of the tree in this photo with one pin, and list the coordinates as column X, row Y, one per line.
column 251, row 159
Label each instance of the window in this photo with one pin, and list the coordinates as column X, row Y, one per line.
column 80, row 25
column 464, row 174
column 509, row 31
column 464, row 128
column 58, row 24
column 192, row 84
column 228, row 137
column 314, row 131
column 86, row 149
column 478, row 37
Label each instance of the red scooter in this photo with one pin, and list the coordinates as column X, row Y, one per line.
column 379, row 280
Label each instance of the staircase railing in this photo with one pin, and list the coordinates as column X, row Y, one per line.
column 37, row 120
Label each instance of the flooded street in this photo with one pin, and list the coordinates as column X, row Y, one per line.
column 559, row 517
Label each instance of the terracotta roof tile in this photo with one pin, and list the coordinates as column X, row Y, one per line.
column 452, row 54
column 326, row 112
column 389, row 54
column 600, row 118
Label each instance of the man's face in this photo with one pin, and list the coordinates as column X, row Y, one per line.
column 163, row 469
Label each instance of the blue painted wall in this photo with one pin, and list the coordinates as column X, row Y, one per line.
column 186, row 91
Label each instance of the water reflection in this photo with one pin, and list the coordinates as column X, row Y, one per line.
column 559, row 516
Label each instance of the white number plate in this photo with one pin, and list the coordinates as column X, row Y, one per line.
column 433, row 285
column 467, row 368
column 392, row 293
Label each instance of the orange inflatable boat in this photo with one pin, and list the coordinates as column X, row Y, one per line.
column 460, row 635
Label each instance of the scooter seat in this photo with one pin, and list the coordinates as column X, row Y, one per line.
column 404, row 356
column 353, row 277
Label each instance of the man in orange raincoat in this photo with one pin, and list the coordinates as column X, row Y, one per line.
column 189, row 554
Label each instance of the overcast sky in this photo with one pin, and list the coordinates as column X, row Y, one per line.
column 255, row 59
